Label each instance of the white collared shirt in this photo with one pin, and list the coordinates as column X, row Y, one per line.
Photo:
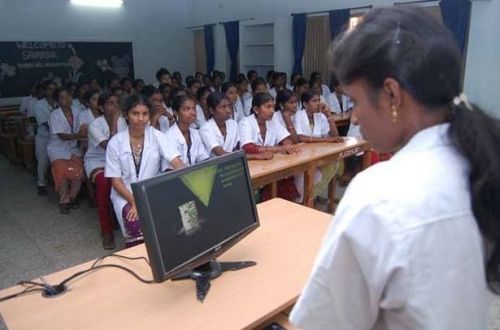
column 404, row 250
column 98, row 132
column 321, row 126
column 189, row 156
column 249, row 132
column 200, row 117
column 57, row 147
column 212, row 136
column 42, row 114
column 85, row 117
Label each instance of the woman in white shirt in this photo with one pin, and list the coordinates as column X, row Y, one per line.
column 414, row 243
column 133, row 155
column 86, row 116
column 185, row 139
column 160, row 118
column 220, row 133
column 202, row 113
column 259, row 85
column 286, row 107
column 237, row 108
column 63, row 151
column 100, row 131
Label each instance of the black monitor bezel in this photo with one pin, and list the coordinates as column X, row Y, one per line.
column 160, row 274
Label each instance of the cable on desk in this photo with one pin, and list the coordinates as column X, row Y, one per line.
column 20, row 293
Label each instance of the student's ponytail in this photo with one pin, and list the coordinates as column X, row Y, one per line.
column 476, row 136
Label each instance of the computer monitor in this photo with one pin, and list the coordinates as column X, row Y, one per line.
column 192, row 215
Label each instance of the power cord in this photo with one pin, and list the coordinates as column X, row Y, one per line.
column 53, row 290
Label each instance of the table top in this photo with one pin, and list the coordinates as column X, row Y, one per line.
column 284, row 247
column 308, row 152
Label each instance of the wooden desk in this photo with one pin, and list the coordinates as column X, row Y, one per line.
column 284, row 247
column 310, row 157
column 342, row 119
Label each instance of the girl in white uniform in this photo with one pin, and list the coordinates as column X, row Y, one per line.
column 185, row 139
column 414, row 243
column 259, row 85
column 202, row 113
column 237, row 108
column 314, row 124
column 286, row 107
column 133, row 155
column 160, row 118
column 261, row 138
column 43, row 109
column 100, row 132
column 89, row 114
column 63, row 151
column 220, row 133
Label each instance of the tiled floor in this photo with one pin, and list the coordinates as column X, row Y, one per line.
column 35, row 239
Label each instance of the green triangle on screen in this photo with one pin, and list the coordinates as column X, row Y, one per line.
column 201, row 182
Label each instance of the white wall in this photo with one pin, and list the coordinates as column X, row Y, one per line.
column 481, row 84
column 156, row 28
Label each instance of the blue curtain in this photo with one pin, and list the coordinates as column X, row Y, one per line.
column 233, row 42
column 209, row 47
column 338, row 20
column 456, row 14
column 299, row 40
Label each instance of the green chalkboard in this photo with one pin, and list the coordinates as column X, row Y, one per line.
column 25, row 62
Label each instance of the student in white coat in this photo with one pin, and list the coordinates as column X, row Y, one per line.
column 286, row 107
column 63, row 151
column 185, row 139
column 301, row 85
column 315, row 123
column 279, row 84
column 85, row 117
column 414, row 243
column 237, row 108
column 100, row 131
column 43, row 109
column 202, row 113
column 133, row 155
column 220, row 133
column 160, row 118
column 259, row 85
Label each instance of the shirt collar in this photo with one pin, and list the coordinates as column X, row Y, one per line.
column 429, row 137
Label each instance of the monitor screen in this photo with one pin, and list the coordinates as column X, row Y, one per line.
column 190, row 216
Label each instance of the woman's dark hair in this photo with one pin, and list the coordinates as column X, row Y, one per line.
column 258, row 81
column 214, row 99
column 136, row 83
column 161, row 72
column 191, row 82
column 135, row 100
column 410, row 46
column 202, row 91
column 260, row 99
column 283, row 96
column 47, row 83
column 149, row 91
column 307, row 96
column 177, row 101
column 225, row 86
column 103, row 98
column 300, row 82
column 88, row 95
column 250, row 73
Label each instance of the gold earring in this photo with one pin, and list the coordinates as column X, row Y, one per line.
column 395, row 113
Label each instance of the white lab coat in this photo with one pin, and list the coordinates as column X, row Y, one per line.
column 249, row 132
column 120, row 163
column 239, row 110
column 325, row 90
column 42, row 111
column 200, row 117
column 248, row 106
column 164, row 123
column 31, row 107
column 278, row 119
column 84, row 117
column 212, row 136
column 23, row 108
column 321, row 126
column 197, row 152
column 273, row 92
column 404, row 250
column 333, row 103
column 98, row 132
column 78, row 105
column 58, row 148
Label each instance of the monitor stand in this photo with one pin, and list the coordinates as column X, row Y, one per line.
column 210, row 270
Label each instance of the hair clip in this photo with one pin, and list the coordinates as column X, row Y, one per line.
column 462, row 98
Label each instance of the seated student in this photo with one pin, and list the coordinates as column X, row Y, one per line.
column 316, row 78
column 315, row 86
column 23, row 108
column 70, row 85
column 177, row 75
column 258, row 86
column 137, row 86
column 242, row 88
column 206, row 81
column 270, row 79
column 163, row 77
column 237, row 109
column 293, row 79
column 78, row 100
column 202, row 113
column 126, row 85
column 43, row 109
column 261, row 137
column 199, row 76
column 94, row 84
column 159, row 117
column 99, row 133
column 90, row 101
column 217, row 81
column 220, row 132
column 315, row 123
column 251, row 76
column 285, row 80
column 132, row 155
column 278, row 84
column 301, row 85
column 286, row 107
column 192, row 87
column 184, row 138
column 63, row 151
